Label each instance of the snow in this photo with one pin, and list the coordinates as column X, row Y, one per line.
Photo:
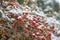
column 3, row 15
column 48, row 1
column 48, row 8
column 16, row 11
column 58, row 1
column 54, row 37
column 52, row 20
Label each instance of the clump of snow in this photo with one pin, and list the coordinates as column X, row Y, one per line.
column 52, row 20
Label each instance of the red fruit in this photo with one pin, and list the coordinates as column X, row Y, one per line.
column 12, row 4
column 20, row 18
column 37, row 24
column 34, row 16
column 29, row 25
column 39, row 34
column 52, row 26
column 32, row 25
column 44, row 38
column 26, row 31
column 34, row 22
column 17, row 6
column 49, row 33
column 46, row 23
column 38, row 18
column 26, row 13
column 39, row 29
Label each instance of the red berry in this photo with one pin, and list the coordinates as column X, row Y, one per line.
column 37, row 24
column 26, row 13
column 46, row 23
column 39, row 34
column 52, row 26
column 44, row 38
column 34, row 16
column 26, row 31
column 39, row 29
column 38, row 18
column 49, row 33
column 34, row 22
column 20, row 18
column 29, row 25
column 12, row 4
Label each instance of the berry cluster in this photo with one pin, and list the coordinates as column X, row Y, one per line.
column 24, row 26
column 32, row 27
